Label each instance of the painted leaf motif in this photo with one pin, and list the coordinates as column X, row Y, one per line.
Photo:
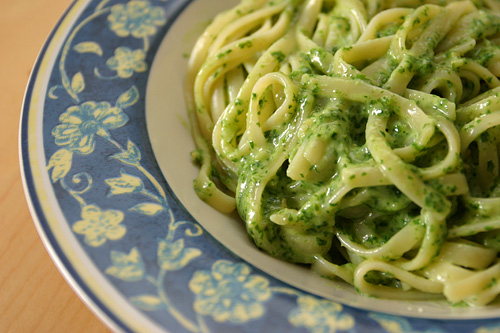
column 488, row 329
column 150, row 209
column 77, row 83
column 127, row 267
column 126, row 183
column 52, row 92
column 390, row 323
column 187, row 256
column 131, row 156
column 147, row 302
column 60, row 162
column 128, row 98
column 173, row 256
column 88, row 47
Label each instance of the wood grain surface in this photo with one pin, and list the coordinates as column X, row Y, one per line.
column 34, row 297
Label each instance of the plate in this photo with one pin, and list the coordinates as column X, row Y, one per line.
column 105, row 158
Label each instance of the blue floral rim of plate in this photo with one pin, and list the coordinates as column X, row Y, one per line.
column 110, row 220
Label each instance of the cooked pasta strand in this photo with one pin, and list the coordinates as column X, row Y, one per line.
column 361, row 137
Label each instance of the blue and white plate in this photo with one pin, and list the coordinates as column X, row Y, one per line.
column 105, row 147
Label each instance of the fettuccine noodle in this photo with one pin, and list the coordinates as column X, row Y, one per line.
column 358, row 136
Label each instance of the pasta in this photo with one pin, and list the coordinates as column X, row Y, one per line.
column 360, row 137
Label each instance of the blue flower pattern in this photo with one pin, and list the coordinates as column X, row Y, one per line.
column 137, row 18
column 80, row 124
column 98, row 226
column 228, row 292
column 320, row 316
column 125, row 62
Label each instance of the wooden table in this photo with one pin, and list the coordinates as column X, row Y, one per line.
column 34, row 297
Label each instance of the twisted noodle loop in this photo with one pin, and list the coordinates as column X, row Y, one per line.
column 358, row 136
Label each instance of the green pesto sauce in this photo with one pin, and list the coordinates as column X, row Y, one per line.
column 370, row 216
column 339, row 126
